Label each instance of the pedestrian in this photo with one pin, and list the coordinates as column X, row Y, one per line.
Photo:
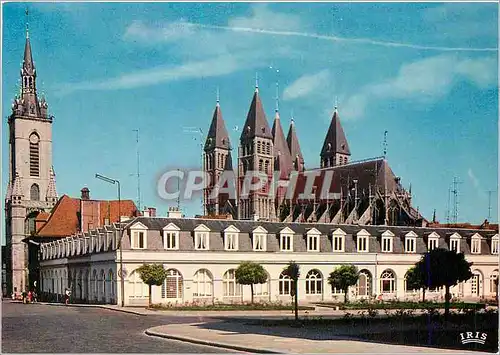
column 35, row 297
column 68, row 294
column 30, row 295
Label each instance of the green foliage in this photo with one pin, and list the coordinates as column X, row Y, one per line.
column 292, row 270
column 441, row 267
column 414, row 280
column 343, row 277
column 152, row 274
column 250, row 273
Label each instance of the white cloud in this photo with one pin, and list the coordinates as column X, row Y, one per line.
column 170, row 32
column 264, row 18
column 209, row 68
column 306, row 84
column 476, row 184
column 426, row 80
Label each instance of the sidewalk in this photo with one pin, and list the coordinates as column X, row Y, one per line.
column 244, row 337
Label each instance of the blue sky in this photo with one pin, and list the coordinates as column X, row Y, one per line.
column 426, row 73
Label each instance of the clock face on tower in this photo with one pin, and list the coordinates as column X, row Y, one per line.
column 34, row 139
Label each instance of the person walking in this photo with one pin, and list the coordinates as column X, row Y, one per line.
column 68, row 294
column 30, row 296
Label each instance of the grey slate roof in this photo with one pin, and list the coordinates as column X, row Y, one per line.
column 281, row 150
column 256, row 124
column 293, row 143
column 187, row 225
column 335, row 138
column 217, row 136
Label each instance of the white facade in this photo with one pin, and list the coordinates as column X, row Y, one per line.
column 201, row 261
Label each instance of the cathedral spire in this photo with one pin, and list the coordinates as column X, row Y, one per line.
column 335, row 145
column 256, row 124
column 294, row 147
column 217, row 136
column 51, row 189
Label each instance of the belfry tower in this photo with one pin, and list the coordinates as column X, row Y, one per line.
column 217, row 160
column 335, row 149
column 31, row 186
column 256, row 153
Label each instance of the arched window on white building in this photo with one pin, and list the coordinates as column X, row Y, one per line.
column 111, row 284
column 202, row 284
column 172, row 286
column 388, row 282
column 494, row 282
column 230, row 287
column 364, row 284
column 314, row 283
column 286, row 285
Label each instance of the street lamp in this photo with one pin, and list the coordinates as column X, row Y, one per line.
column 122, row 281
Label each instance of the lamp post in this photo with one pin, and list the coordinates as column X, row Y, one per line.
column 122, row 281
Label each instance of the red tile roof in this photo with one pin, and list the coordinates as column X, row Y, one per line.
column 64, row 217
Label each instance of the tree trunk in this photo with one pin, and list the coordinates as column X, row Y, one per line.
column 423, row 294
column 296, row 286
column 150, row 294
column 345, row 295
column 447, row 298
column 251, row 290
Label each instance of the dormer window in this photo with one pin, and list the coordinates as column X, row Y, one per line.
column 363, row 241
column 455, row 242
column 138, row 236
column 313, row 240
column 494, row 244
column 201, row 237
column 231, row 234
column 432, row 241
column 338, row 240
column 171, row 237
column 411, row 242
column 286, row 239
column 475, row 244
column 259, row 239
column 387, row 241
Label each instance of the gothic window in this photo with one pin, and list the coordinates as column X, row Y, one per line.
column 34, row 155
column 35, row 193
column 268, row 148
column 267, row 167
column 258, row 147
column 260, row 164
column 25, row 82
column 31, row 82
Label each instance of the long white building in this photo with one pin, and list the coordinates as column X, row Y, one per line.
column 202, row 254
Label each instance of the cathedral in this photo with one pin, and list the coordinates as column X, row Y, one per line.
column 366, row 192
column 31, row 187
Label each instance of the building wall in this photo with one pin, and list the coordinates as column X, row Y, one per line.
column 86, row 269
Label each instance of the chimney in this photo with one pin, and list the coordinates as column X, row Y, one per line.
column 145, row 213
column 85, row 193
column 152, row 211
column 174, row 212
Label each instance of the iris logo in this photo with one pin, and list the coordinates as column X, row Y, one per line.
column 473, row 337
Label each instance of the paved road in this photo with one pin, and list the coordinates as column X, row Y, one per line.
column 54, row 329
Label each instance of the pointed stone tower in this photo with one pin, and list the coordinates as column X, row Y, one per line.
column 31, row 177
column 256, row 153
column 282, row 160
column 216, row 160
column 294, row 147
column 335, row 148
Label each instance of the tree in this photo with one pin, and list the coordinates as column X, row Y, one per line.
column 415, row 281
column 292, row 270
column 343, row 277
column 250, row 273
column 441, row 267
column 152, row 275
